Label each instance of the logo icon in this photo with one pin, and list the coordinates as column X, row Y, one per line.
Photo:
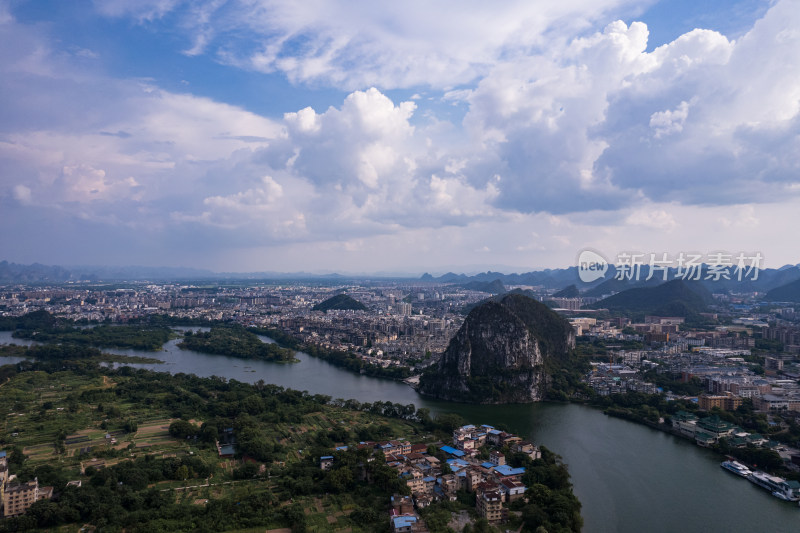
column 591, row 266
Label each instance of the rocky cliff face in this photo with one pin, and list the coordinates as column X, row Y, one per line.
column 503, row 353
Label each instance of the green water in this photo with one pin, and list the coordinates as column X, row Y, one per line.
column 629, row 478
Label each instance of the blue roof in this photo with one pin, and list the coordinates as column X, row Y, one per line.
column 487, row 464
column 428, row 479
column 458, row 463
column 2, row 453
column 487, row 426
column 341, row 448
column 227, row 449
column 404, row 521
column 495, row 431
column 506, row 470
column 326, row 457
column 452, row 451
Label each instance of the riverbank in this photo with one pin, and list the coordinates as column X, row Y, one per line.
column 628, row 478
column 347, row 360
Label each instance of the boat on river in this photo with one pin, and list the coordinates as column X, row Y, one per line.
column 777, row 486
column 737, row 468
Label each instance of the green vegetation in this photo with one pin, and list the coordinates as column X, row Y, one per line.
column 340, row 302
column 650, row 408
column 492, row 287
column 692, row 387
column 43, row 327
column 234, row 341
column 162, row 472
column 599, row 348
column 475, row 367
column 785, row 293
column 136, row 337
column 552, row 505
column 673, row 298
column 568, row 292
column 31, row 321
column 345, row 360
column 353, row 363
column 167, row 426
column 550, row 329
column 55, row 352
column 169, row 321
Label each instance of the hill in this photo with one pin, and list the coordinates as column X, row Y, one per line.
column 340, row 302
column 504, row 352
column 672, row 298
column 785, row 293
column 568, row 292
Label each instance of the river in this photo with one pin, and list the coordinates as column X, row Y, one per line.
column 629, row 478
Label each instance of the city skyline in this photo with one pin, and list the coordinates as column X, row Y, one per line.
column 358, row 137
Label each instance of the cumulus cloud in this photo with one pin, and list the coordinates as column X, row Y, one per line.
column 669, row 121
column 723, row 117
column 593, row 119
column 560, row 119
column 360, row 168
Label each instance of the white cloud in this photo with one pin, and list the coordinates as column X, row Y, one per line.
column 142, row 10
column 22, row 194
column 84, row 183
column 564, row 129
column 669, row 121
column 358, row 44
column 652, row 218
column 5, row 13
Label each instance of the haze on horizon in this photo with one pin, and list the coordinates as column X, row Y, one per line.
column 400, row 137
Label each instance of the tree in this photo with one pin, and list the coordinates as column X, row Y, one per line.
column 182, row 472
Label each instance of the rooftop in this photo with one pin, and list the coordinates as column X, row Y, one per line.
column 506, row 470
column 404, row 521
column 452, row 451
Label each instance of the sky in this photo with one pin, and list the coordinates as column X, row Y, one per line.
column 397, row 137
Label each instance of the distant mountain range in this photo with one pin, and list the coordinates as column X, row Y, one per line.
column 562, row 278
column 491, row 282
column 37, row 273
column 492, row 287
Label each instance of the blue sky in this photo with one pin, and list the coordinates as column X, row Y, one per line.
column 398, row 137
